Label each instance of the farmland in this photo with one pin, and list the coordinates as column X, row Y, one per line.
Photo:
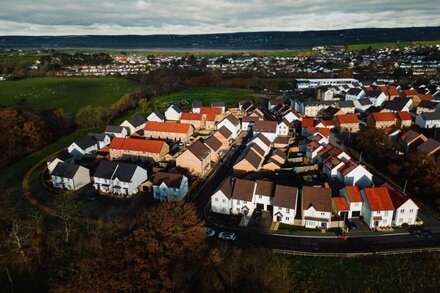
column 356, row 47
column 70, row 94
column 230, row 96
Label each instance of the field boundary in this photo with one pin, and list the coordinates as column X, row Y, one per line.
column 356, row 254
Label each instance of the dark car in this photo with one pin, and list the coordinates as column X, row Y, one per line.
column 351, row 225
column 421, row 233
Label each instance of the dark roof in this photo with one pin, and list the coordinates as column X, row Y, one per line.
column 255, row 147
column 199, row 150
column 431, row 116
column 365, row 102
column 285, row 196
column 427, row 104
column 243, row 189
column 213, row 143
column 281, row 140
column 265, row 126
column 234, row 120
column 171, row 180
column 373, row 94
column 64, row 156
column 346, row 104
column 197, row 104
column 410, row 135
column 318, row 197
column 263, row 139
column 217, row 104
column 98, row 136
column 429, row 146
column 330, row 111
column 114, row 129
column 396, row 104
column 253, row 158
column 65, row 170
column 225, row 132
column 124, row 172
column 176, row 108
column 160, row 115
column 264, row 188
column 86, row 142
column 227, row 187
column 105, row 169
column 397, row 197
column 354, row 91
column 136, row 120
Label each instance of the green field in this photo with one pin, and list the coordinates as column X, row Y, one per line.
column 70, row 94
column 357, row 47
column 230, row 96
column 18, row 59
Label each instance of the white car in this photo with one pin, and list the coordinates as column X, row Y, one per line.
column 209, row 232
column 227, row 236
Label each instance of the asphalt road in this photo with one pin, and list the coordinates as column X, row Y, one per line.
column 327, row 243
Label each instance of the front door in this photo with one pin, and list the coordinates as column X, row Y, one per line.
column 260, row 206
column 376, row 223
column 355, row 214
column 279, row 218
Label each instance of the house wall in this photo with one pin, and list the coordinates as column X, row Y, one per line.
column 282, row 130
column 427, row 124
column 406, row 213
column 220, row 203
column 139, row 155
column 222, row 139
column 231, row 127
column 238, row 205
column 193, row 164
column 359, row 177
column 132, row 128
column 78, row 153
column 244, row 166
column 311, row 212
column 163, row 192
column 63, row 183
column 169, row 135
column 81, row 178
column 284, row 215
column 172, row 115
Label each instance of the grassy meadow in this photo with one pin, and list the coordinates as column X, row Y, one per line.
column 71, row 94
column 357, row 47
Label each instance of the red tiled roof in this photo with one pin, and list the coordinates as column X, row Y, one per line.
column 332, row 162
column 141, row 145
column 410, row 93
column 210, row 117
column 167, row 127
column 379, row 198
column 191, row 116
column 426, row 97
column 354, row 195
column 349, row 166
column 404, row 115
column 341, row 203
column 328, row 122
column 211, row 110
column 383, row 116
column 307, row 122
column 325, row 132
column 347, row 118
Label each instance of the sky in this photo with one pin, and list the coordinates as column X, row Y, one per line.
column 146, row 17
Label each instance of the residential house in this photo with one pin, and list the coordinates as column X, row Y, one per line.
column 284, row 204
column 354, row 94
column 431, row 147
column 377, row 97
column 313, row 148
column 63, row 156
column 117, row 131
column 232, row 123
column 428, row 120
column 69, row 176
column 331, row 166
column 291, row 116
column 173, row 113
column 381, row 119
column 169, row 186
column 377, row 209
column 281, row 142
column 119, row 178
column 196, row 158
column 247, row 123
column 134, row 123
column 102, row 139
column 340, row 206
column 168, row 130
column 347, row 107
column 267, row 128
column 243, row 197
column 224, row 136
column 393, row 133
column 250, row 160
column 197, row 120
column 215, row 147
column 405, row 209
column 263, row 142
column 196, row 105
column 138, row 149
column 219, row 104
column 353, row 196
column 353, row 173
column 404, row 119
column 363, row 104
column 212, row 113
column 221, row 200
column 84, row 146
column 312, row 108
column 411, row 140
column 283, row 128
column 347, row 122
column 316, row 207
column 264, row 195
column 426, row 106
column 156, row 116
column 398, row 105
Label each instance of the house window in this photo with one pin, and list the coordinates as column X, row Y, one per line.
column 322, row 214
column 244, row 202
column 287, row 218
column 386, row 213
column 411, row 211
column 216, row 199
column 238, row 209
column 224, row 200
column 287, row 210
column 260, row 196
column 402, row 210
column 356, row 204
column 238, row 202
column 384, row 222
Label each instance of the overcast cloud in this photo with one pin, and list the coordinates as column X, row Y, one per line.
column 73, row 17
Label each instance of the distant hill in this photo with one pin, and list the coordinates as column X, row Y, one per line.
column 252, row 40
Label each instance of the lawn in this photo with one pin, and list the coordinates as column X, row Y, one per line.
column 230, row 96
column 357, row 47
column 70, row 94
column 19, row 59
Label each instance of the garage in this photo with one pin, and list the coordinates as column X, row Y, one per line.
column 356, row 214
column 260, row 206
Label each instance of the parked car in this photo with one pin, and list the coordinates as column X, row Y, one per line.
column 209, row 232
column 421, row 233
column 227, row 236
column 351, row 225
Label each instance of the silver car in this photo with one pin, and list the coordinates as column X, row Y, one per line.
column 227, row 236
